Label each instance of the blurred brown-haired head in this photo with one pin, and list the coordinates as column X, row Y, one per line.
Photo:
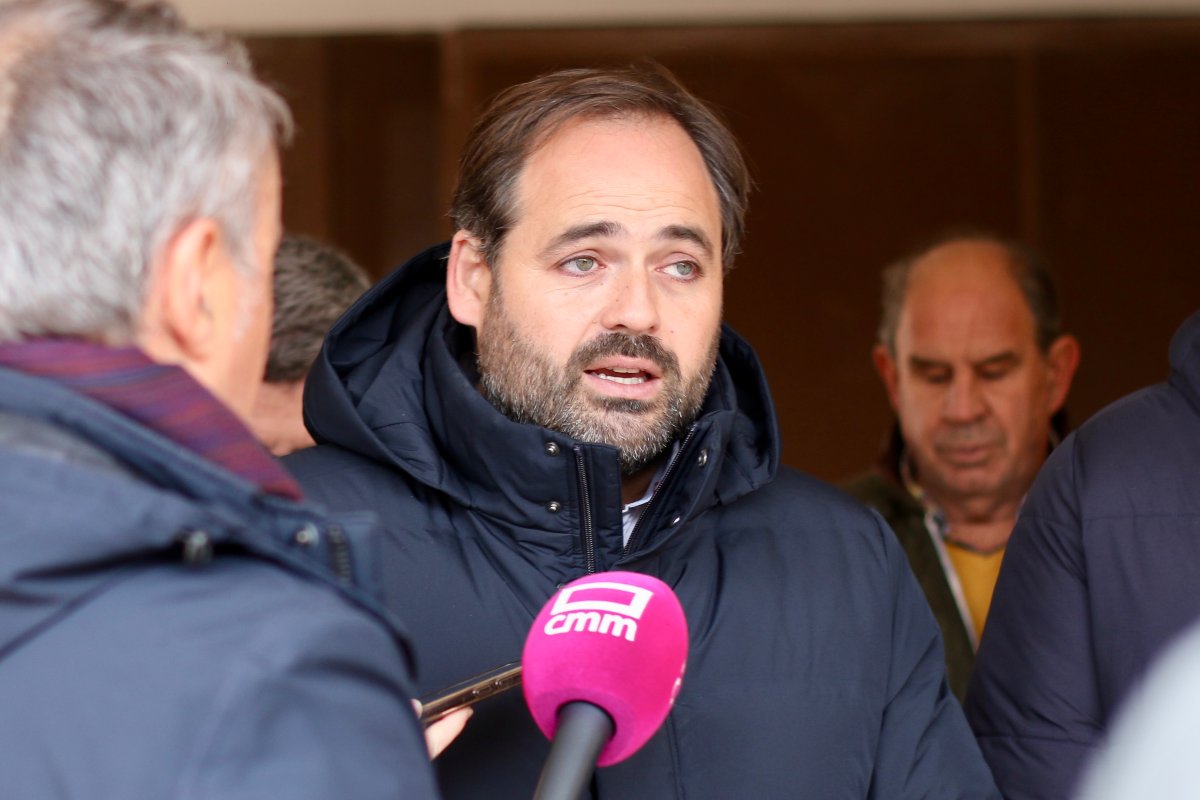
column 314, row 284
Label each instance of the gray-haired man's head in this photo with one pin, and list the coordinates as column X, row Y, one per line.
column 118, row 125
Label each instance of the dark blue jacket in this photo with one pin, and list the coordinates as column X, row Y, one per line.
column 127, row 672
column 1101, row 571
column 815, row 666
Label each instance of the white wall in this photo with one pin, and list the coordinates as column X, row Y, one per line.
column 265, row 16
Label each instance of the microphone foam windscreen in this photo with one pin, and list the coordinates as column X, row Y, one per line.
column 617, row 640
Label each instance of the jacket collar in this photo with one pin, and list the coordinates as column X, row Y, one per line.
column 162, row 397
column 59, row 551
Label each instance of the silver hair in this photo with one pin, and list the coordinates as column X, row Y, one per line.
column 119, row 125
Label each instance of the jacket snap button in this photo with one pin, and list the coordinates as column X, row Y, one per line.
column 307, row 536
column 554, row 506
column 197, row 548
column 551, row 448
column 703, row 458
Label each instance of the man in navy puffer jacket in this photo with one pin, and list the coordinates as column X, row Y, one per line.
column 1100, row 575
column 174, row 621
column 610, row 422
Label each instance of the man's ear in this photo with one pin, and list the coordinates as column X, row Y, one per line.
column 178, row 321
column 468, row 280
column 885, row 365
column 1062, row 359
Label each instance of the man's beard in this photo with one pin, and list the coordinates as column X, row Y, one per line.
column 521, row 381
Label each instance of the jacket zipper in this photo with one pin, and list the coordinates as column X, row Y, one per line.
column 339, row 550
column 585, row 522
column 637, row 527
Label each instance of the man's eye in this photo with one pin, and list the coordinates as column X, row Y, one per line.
column 935, row 377
column 683, row 269
column 994, row 374
column 580, row 265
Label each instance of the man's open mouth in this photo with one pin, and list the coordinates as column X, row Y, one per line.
column 623, row 375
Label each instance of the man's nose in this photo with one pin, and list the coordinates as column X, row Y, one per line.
column 632, row 304
column 964, row 400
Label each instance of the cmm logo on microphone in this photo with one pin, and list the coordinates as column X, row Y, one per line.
column 602, row 607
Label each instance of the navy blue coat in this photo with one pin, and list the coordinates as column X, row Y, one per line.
column 815, row 666
column 127, row 673
column 1101, row 571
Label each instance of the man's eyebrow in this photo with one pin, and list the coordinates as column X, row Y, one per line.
column 917, row 362
column 1000, row 359
column 608, row 228
column 577, row 233
column 688, row 234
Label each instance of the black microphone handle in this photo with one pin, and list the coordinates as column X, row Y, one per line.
column 583, row 731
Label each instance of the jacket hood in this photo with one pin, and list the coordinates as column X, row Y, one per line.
column 389, row 385
column 1185, row 359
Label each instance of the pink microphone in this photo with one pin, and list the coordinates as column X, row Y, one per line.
column 602, row 666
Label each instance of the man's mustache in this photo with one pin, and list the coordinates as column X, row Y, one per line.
column 972, row 435
column 644, row 346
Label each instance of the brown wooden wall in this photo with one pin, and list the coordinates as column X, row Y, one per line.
column 1081, row 137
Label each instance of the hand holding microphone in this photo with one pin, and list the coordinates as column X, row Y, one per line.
column 602, row 666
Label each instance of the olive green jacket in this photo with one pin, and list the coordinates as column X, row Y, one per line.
column 906, row 517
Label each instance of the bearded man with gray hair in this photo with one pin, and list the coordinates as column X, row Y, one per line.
column 174, row 620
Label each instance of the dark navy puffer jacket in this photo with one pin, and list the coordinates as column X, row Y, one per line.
column 1101, row 572
column 815, row 666
column 251, row 669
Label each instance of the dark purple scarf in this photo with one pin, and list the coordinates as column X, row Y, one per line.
column 161, row 397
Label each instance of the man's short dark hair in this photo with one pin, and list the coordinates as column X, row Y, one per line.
column 314, row 284
column 1031, row 272
column 523, row 117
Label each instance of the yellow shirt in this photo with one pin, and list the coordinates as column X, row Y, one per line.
column 977, row 574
